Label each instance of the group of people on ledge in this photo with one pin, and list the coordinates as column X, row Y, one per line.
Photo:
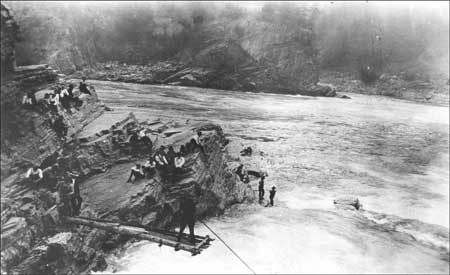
column 168, row 163
column 65, row 183
column 62, row 99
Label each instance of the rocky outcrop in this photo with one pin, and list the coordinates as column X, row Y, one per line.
column 152, row 202
column 10, row 36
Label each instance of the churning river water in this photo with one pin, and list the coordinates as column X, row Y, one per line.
column 391, row 154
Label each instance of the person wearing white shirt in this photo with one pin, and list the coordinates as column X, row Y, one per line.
column 136, row 172
column 179, row 163
column 34, row 174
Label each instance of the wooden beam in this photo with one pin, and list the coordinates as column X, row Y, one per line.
column 142, row 233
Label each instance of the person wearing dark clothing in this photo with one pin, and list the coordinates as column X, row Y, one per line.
column 50, row 180
column 170, row 156
column 187, row 208
column 183, row 151
column 75, row 198
column 64, row 204
column 60, row 127
column 242, row 173
column 271, row 196
column 192, row 146
column 76, row 101
column 136, row 172
column 261, row 188
column 83, row 87
column 134, row 143
column 147, row 142
column 70, row 90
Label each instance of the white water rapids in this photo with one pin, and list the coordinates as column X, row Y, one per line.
column 391, row 154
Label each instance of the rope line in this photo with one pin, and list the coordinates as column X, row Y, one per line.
column 228, row 247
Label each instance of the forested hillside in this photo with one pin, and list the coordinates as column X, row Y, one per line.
column 291, row 41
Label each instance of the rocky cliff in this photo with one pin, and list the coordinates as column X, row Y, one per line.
column 34, row 240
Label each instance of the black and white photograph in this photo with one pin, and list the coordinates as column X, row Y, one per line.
column 225, row 137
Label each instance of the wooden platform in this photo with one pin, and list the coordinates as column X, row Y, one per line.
column 162, row 237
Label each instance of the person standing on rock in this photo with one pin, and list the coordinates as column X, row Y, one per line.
column 63, row 199
column 187, row 217
column 261, row 188
column 75, row 199
column 272, row 196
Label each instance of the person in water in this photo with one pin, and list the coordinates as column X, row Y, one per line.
column 34, row 174
column 261, row 188
column 271, row 196
column 136, row 172
column 187, row 208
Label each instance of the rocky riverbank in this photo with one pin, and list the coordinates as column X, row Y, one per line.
column 36, row 240
column 402, row 85
column 248, row 76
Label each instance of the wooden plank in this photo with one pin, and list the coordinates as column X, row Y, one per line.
column 142, row 233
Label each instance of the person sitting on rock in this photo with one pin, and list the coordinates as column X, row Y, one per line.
column 29, row 99
column 242, row 173
column 34, row 174
column 77, row 101
column 261, row 188
column 83, row 87
column 271, row 196
column 65, row 100
column 170, row 156
column 192, row 146
column 149, row 167
column 54, row 102
column 160, row 158
column 136, row 172
column 179, row 162
column 187, row 217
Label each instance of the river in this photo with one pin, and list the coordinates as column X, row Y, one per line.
column 391, row 154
